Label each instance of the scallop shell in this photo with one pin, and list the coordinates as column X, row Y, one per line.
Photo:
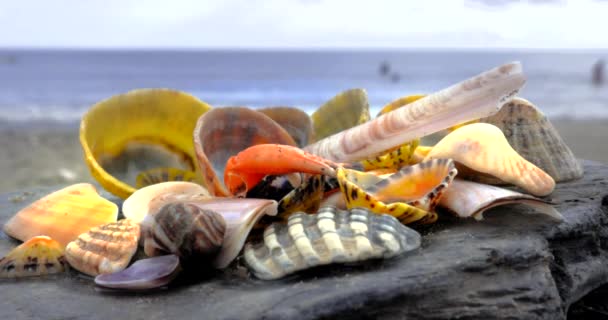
column 138, row 131
column 150, row 199
column 295, row 121
column 409, row 195
column 105, row 249
column 483, row 148
column 470, row 199
column 224, row 132
column 475, row 98
column 185, row 230
column 344, row 111
column 330, row 236
column 143, row 274
column 62, row 215
column 38, row 256
column 533, row 136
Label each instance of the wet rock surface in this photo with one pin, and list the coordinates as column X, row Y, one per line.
column 512, row 265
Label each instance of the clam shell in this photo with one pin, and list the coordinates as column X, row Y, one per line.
column 409, row 195
column 160, row 175
column 143, row 274
column 105, row 249
column 475, row 98
column 138, row 131
column 470, row 199
column 38, row 256
column 62, row 215
column 344, row 111
column 224, row 132
column 150, row 199
column 295, row 121
column 533, row 136
column 483, row 148
column 330, row 236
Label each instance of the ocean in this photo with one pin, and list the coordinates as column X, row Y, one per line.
column 60, row 85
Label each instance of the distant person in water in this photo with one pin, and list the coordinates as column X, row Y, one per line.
column 384, row 68
column 597, row 72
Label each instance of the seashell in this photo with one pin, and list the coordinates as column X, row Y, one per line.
column 159, row 175
column 344, row 111
column 470, row 199
column 330, row 236
column 533, row 136
column 224, row 132
column 394, row 105
column 105, row 249
column 306, row 197
column 295, row 121
column 185, row 230
column 403, row 155
column 483, row 148
column 409, row 195
column 138, row 131
column 151, row 198
column 474, row 98
column 62, row 215
column 143, row 274
column 239, row 215
column 38, row 256
column 275, row 187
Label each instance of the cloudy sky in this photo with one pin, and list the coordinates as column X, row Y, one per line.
column 304, row 23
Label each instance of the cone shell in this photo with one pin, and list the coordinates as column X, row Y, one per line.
column 295, row 121
column 38, row 256
column 470, row 199
column 143, row 274
column 150, row 199
column 344, row 111
column 62, row 215
column 105, row 249
column 330, row 236
column 484, row 149
column 533, row 136
column 138, row 131
column 190, row 232
column 409, row 195
column 224, row 132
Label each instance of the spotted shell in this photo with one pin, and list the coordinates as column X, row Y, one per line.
column 38, row 256
column 105, row 249
column 330, row 236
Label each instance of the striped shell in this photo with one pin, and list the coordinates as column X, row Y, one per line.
column 330, row 236
column 105, row 249
column 38, row 256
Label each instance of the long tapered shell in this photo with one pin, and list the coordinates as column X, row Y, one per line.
column 62, row 215
column 483, row 148
column 224, row 132
column 240, row 216
column 409, row 195
column 105, row 249
column 38, row 256
column 138, row 131
column 330, row 236
column 533, row 136
column 396, row 104
column 143, row 274
column 474, row 98
column 151, row 198
column 295, row 121
column 470, row 199
column 344, row 111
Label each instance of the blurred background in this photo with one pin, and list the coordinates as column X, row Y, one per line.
column 58, row 58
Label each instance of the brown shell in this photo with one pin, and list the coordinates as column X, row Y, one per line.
column 295, row 121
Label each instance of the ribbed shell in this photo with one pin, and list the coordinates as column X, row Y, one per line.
column 344, row 111
column 105, row 249
column 330, row 236
column 185, row 230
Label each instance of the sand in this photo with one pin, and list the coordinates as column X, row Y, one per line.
column 46, row 155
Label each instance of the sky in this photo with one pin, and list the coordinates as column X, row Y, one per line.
column 237, row 24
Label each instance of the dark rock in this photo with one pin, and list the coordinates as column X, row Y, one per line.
column 512, row 265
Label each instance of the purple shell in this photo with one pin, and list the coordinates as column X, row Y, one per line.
column 143, row 274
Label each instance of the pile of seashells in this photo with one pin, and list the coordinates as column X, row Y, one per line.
column 285, row 190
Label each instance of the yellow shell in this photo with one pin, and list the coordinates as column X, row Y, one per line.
column 346, row 110
column 399, row 103
column 159, row 175
column 63, row 214
column 409, row 195
column 38, row 256
column 105, row 249
column 395, row 159
column 138, row 131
